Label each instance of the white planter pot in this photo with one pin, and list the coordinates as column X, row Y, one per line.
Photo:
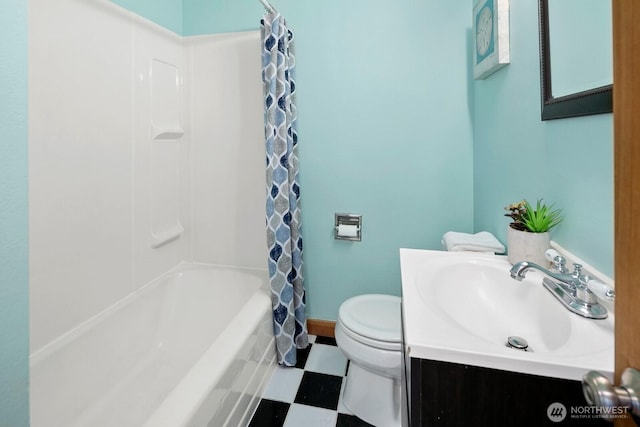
column 527, row 246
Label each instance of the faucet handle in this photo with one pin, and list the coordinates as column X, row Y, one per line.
column 584, row 279
column 560, row 264
column 577, row 270
column 584, row 294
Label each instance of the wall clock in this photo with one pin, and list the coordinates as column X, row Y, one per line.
column 490, row 37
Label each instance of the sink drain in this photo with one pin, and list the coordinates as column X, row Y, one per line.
column 518, row 343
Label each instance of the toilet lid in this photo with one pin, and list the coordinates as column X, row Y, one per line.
column 373, row 316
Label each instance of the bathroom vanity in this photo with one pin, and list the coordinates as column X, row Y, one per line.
column 459, row 311
column 452, row 394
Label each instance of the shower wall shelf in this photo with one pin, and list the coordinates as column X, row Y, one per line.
column 162, row 134
column 166, row 236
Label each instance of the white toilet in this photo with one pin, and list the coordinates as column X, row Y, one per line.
column 368, row 333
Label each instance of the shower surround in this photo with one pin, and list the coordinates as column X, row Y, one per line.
column 145, row 151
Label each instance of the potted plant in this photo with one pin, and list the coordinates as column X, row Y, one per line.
column 528, row 233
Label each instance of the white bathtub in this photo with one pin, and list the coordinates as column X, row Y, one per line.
column 193, row 348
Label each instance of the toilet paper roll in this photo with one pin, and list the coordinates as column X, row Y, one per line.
column 347, row 230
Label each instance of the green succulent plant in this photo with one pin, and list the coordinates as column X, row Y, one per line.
column 540, row 219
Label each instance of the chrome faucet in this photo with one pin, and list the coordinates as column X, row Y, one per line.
column 572, row 279
column 569, row 288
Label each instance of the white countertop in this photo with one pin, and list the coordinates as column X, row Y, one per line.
column 461, row 322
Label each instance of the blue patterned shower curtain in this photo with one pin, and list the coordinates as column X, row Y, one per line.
column 283, row 191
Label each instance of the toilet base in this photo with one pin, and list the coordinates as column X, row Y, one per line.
column 372, row 397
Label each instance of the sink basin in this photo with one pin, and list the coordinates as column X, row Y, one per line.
column 479, row 296
column 462, row 308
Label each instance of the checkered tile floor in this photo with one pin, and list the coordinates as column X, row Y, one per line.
column 310, row 394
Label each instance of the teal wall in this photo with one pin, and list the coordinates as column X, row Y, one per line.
column 516, row 155
column 216, row 16
column 14, row 255
column 385, row 130
column 167, row 13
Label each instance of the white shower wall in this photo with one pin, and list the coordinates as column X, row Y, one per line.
column 227, row 166
column 115, row 199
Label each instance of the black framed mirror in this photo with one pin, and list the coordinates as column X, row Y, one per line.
column 597, row 100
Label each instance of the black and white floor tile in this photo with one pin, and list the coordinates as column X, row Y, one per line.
column 310, row 394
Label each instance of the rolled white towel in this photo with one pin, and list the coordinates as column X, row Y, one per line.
column 479, row 242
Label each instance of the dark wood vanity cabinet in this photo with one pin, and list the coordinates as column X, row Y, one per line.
column 450, row 394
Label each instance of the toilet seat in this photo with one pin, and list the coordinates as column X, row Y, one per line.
column 368, row 333
column 373, row 320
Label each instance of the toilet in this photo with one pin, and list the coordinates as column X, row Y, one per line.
column 368, row 333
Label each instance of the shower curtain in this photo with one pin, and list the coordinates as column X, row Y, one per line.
column 283, row 191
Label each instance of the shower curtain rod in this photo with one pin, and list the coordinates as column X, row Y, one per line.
column 268, row 6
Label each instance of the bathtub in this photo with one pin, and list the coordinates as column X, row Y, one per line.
column 193, row 348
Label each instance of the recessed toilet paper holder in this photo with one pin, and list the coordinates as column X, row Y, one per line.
column 348, row 227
